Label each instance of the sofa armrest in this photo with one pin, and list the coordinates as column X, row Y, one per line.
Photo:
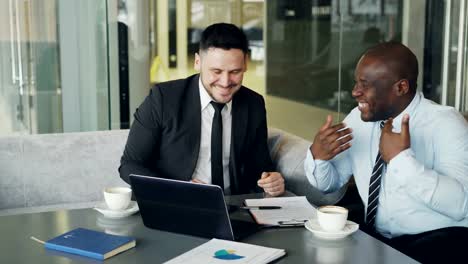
column 288, row 153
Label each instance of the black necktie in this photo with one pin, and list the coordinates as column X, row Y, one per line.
column 374, row 188
column 217, row 146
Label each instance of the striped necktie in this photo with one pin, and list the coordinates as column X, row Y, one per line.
column 374, row 188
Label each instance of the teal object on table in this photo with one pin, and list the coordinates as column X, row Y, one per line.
column 227, row 255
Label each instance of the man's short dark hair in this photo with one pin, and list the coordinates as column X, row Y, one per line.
column 400, row 58
column 224, row 36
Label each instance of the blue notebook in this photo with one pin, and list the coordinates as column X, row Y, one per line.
column 90, row 243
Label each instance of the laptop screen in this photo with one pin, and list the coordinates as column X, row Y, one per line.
column 182, row 207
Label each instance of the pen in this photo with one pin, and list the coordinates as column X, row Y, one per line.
column 292, row 222
column 260, row 207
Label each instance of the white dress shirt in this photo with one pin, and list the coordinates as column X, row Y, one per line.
column 203, row 169
column 424, row 187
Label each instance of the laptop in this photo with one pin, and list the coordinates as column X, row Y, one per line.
column 188, row 208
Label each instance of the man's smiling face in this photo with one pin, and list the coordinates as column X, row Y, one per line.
column 221, row 72
column 374, row 89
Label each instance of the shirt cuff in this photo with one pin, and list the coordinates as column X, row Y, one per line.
column 310, row 165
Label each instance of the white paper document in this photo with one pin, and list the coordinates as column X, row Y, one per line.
column 220, row 251
column 294, row 211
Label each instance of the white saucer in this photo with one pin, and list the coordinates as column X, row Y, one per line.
column 103, row 209
column 314, row 227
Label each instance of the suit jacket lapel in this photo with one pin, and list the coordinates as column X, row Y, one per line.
column 193, row 122
column 238, row 133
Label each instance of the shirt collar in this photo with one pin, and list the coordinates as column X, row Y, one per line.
column 205, row 98
column 410, row 110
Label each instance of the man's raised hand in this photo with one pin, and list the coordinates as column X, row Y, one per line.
column 331, row 140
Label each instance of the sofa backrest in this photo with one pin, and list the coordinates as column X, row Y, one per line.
column 58, row 169
column 50, row 171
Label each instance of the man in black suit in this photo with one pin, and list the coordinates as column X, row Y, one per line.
column 207, row 128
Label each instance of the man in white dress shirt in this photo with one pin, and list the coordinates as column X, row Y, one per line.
column 417, row 200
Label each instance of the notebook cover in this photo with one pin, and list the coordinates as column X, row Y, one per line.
column 90, row 243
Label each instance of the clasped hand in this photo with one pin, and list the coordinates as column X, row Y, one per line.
column 272, row 183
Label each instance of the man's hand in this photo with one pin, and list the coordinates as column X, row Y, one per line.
column 272, row 183
column 391, row 144
column 197, row 181
column 331, row 140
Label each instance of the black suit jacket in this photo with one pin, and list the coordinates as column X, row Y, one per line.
column 164, row 139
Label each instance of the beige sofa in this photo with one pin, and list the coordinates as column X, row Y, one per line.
column 67, row 171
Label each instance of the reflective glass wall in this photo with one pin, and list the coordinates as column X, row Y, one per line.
column 68, row 65
column 53, row 66
column 313, row 46
column 30, row 81
column 303, row 52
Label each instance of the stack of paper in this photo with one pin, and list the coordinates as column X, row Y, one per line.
column 218, row 251
column 294, row 210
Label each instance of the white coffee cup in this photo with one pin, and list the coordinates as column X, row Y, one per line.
column 332, row 218
column 117, row 198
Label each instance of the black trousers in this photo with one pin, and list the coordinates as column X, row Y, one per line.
column 445, row 245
